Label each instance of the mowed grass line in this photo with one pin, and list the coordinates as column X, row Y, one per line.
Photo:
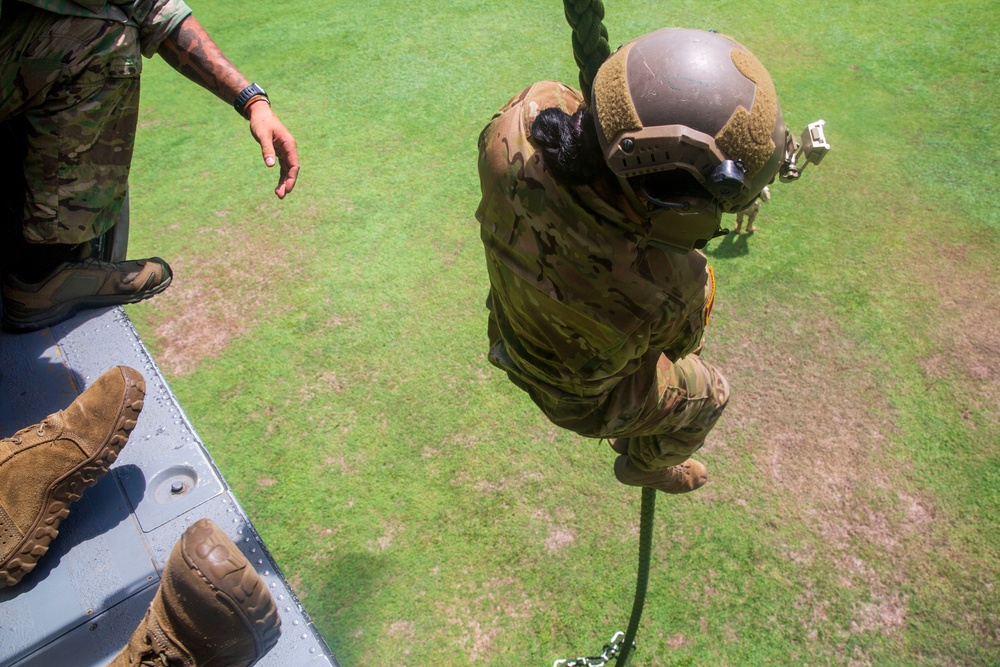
column 330, row 348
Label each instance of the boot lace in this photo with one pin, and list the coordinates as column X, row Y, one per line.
column 150, row 655
column 16, row 438
column 148, row 647
column 95, row 263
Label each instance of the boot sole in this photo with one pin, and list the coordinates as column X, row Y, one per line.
column 68, row 489
column 245, row 593
column 41, row 319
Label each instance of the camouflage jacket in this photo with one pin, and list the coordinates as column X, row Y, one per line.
column 578, row 295
column 155, row 18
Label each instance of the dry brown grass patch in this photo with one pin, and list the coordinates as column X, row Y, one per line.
column 819, row 421
column 228, row 281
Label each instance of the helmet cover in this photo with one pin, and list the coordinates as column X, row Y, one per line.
column 692, row 100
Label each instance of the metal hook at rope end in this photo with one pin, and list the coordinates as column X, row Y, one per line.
column 610, row 651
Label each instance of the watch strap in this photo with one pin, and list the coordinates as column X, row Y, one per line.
column 248, row 95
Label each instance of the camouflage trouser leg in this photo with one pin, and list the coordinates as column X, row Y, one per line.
column 665, row 409
column 666, row 419
column 72, row 86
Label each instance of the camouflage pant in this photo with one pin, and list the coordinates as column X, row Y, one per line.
column 71, row 86
column 665, row 408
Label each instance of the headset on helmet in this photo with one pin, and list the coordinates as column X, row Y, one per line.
column 689, row 121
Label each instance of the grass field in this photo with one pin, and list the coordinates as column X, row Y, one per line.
column 330, row 348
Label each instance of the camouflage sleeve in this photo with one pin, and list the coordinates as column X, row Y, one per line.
column 157, row 19
column 680, row 325
column 99, row 9
column 678, row 341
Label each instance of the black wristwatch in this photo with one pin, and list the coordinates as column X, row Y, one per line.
column 246, row 95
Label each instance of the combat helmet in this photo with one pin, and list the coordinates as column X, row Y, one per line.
column 689, row 122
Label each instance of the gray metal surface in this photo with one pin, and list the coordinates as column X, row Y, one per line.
column 81, row 603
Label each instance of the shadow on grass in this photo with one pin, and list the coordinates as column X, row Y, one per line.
column 732, row 246
column 344, row 601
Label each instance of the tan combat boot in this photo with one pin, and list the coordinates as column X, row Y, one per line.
column 44, row 468
column 212, row 610
column 681, row 478
column 76, row 286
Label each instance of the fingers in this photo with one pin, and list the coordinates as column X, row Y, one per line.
column 266, row 149
column 277, row 146
column 289, row 159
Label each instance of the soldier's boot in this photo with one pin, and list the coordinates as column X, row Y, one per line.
column 44, row 468
column 211, row 610
column 681, row 478
column 79, row 285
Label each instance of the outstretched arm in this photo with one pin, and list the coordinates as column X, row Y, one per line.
column 191, row 51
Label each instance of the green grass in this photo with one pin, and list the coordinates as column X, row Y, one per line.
column 423, row 508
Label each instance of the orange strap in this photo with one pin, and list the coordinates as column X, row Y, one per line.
column 711, row 294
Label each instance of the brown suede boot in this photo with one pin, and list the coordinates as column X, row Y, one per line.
column 44, row 468
column 212, row 610
column 681, row 478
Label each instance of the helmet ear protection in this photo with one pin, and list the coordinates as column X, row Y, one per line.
column 680, row 213
column 685, row 229
column 692, row 102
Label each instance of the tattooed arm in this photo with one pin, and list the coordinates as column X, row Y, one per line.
column 191, row 51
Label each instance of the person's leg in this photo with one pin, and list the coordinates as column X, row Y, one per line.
column 660, row 414
column 752, row 217
column 18, row 89
column 678, row 411
column 657, row 417
column 77, row 109
column 80, row 106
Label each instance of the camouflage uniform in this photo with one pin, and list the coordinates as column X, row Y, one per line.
column 600, row 328
column 69, row 84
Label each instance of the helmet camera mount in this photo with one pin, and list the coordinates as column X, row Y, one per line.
column 813, row 147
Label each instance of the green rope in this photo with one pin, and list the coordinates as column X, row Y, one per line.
column 590, row 39
column 590, row 50
column 642, row 578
